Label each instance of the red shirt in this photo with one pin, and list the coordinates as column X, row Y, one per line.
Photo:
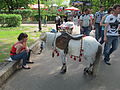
column 13, row 50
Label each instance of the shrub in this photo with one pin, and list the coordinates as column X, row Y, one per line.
column 25, row 13
column 50, row 17
column 10, row 20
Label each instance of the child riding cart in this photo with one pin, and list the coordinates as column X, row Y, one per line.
column 66, row 27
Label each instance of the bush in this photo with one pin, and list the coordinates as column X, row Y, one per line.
column 25, row 13
column 10, row 20
column 49, row 18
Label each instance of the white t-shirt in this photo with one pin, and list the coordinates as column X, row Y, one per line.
column 98, row 16
column 85, row 20
column 92, row 16
column 75, row 20
column 114, row 23
column 57, row 18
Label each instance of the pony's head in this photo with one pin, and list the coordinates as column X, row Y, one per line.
column 43, row 37
column 49, row 38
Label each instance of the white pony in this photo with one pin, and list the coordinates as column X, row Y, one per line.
column 75, row 46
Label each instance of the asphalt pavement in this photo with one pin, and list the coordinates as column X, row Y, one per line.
column 45, row 75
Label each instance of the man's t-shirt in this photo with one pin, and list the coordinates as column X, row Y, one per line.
column 57, row 20
column 98, row 16
column 114, row 23
column 85, row 20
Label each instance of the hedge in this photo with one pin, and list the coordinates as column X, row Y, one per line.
column 33, row 14
column 10, row 20
column 25, row 13
column 50, row 17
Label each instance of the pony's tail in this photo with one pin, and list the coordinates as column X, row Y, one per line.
column 97, row 60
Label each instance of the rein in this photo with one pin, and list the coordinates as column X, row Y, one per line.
column 81, row 50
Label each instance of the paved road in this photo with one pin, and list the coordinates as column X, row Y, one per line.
column 45, row 75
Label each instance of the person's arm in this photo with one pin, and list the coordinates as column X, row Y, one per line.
column 119, row 27
column 18, row 48
column 55, row 20
column 81, row 22
column 103, row 19
column 91, row 21
column 26, row 47
column 105, row 33
column 106, row 28
column 95, row 16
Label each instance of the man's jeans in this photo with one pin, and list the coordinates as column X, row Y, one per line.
column 102, row 37
column 23, row 55
column 110, row 46
column 97, row 31
column 86, row 31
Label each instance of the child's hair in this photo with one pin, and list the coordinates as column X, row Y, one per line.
column 22, row 36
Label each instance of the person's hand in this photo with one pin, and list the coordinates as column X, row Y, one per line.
column 27, row 49
column 105, row 39
column 81, row 29
column 93, row 28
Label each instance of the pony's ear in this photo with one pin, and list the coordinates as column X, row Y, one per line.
column 43, row 36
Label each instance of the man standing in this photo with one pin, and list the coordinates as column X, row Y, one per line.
column 85, row 23
column 98, row 18
column 111, row 33
column 57, row 21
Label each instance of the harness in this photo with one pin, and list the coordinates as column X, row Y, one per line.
column 62, row 42
column 81, row 52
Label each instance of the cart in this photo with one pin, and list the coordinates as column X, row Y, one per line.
column 66, row 27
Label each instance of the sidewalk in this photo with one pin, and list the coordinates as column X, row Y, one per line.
column 10, row 67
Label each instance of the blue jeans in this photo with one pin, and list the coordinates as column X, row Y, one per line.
column 86, row 31
column 97, row 31
column 102, row 37
column 110, row 46
column 23, row 55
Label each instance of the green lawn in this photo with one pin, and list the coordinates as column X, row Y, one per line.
column 8, row 36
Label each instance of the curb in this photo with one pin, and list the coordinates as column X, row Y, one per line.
column 11, row 67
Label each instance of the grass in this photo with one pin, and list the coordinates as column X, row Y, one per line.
column 8, row 36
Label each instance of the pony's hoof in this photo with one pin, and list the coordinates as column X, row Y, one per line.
column 90, row 73
column 87, row 71
column 63, row 69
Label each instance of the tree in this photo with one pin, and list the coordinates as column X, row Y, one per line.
column 2, row 4
column 97, row 3
column 15, row 4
